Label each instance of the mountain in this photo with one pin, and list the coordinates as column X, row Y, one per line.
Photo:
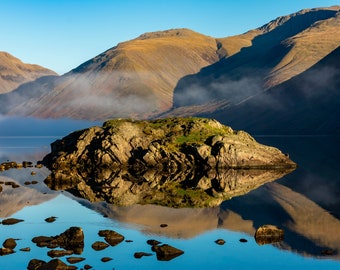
column 134, row 78
column 251, row 81
column 288, row 74
column 309, row 103
column 14, row 72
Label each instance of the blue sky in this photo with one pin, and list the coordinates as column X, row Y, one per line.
column 62, row 34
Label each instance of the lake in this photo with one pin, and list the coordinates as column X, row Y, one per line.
column 305, row 203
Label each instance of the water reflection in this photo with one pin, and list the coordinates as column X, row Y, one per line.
column 180, row 189
column 305, row 203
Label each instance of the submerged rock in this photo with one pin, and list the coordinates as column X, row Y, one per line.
column 59, row 253
column 73, row 260
column 141, row 254
column 178, row 162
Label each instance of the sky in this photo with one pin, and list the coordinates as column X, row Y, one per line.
column 62, row 34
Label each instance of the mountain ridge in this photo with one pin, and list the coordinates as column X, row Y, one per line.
column 13, row 72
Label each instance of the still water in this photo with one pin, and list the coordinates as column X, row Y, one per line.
column 305, row 203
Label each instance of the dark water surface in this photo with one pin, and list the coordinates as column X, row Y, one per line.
column 305, row 203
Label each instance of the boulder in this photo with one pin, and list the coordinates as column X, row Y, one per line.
column 99, row 245
column 111, row 237
column 166, row 252
column 268, row 234
column 9, row 243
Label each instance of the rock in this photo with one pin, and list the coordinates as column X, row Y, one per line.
column 87, row 266
column 35, row 264
column 50, row 219
column 43, row 241
column 0, row 188
column 98, row 245
column 111, row 237
column 59, row 253
column 328, row 252
column 25, row 249
column 163, row 225
column 268, row 234
column 243, row 240
column 73, row 260
column 71, row 239
column 6, row 251
column 166, row 252
column 27, row 164
column 9, row 243
column 9, row 165
column 11, row 221
column 153, row 242
column 220, row 242
column 54, row 264
column 157, row 143
column 106, row 259
column 139, row 255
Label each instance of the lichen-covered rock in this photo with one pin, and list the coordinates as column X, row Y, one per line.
column 158, row 143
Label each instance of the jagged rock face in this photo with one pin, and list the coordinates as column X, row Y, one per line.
column 127, row 162
column 167, row 144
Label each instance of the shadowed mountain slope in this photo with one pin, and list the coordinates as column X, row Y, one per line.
column 13, row 72
column 288, row 46
column 307, row 104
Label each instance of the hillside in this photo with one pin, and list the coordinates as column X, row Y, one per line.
column 135, row 78
column 14, row 72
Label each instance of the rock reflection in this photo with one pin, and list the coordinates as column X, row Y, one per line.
column 182, row 189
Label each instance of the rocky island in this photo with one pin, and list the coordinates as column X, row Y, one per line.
column 178, row 162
